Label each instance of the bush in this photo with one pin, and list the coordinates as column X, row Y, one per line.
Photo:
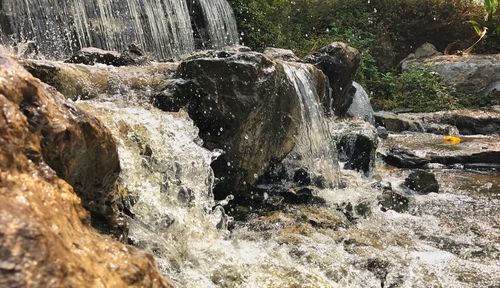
column 398, row 26
column 417, row 90
column 384, row 31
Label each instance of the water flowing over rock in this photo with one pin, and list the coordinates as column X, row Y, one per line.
column 422, row 182
column 46, row 240
column 162, row 27
column 267, row 109
column 256, row 113
column 76, row 81
column 314, row 148
column 167, row 175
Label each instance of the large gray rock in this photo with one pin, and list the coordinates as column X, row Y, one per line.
column 464, row 122
column 424, row 51
column 339, row 62
column 244, row 104
column 396, row 122
column 361, row 106
column 473, row 74
column 419, row 150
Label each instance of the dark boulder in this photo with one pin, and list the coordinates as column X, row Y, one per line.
column 357, row 143
column 134, row 55
column 402, row 158
column 92, row 56
column 339, row 62
column 244, row 104
column 422, row 182
column 358, row 151
column 302, row 177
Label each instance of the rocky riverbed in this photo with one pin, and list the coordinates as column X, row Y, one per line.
column 261, row 181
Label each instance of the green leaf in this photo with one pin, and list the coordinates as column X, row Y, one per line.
column 476, row 26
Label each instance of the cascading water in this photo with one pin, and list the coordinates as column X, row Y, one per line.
column 222, row 30
column 161, row 27
column 168, row 174
column 314, row 144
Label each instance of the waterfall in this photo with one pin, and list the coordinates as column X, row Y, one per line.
column 314, row 143
column 168, row 175
column 161, row 27
column 222, row 30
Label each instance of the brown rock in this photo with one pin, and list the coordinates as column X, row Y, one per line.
column 45, row 239
column 77, row 146
column 78, row 81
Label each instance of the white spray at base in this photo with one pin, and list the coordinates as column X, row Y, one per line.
column 167, row 171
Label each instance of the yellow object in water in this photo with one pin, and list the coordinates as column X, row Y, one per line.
column 452, row 140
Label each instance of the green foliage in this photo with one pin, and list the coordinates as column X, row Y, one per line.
column 490, row 21
column 418, row 90
column 384, row 31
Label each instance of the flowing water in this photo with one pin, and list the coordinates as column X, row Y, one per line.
column 161, row 27
column 314, row 143
column 449, row 239
column 221, row 22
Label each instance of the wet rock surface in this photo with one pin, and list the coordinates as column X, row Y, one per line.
column 357, row 143
column 281, row 54
column 78, row 81
column 464, row 122
column 253, row 117
column 395, row 123
column 422, row 182
column 92, row 56
column 46, row 238
column 339, row 62
column 78, row 148
column 133, row 55
column 420, row 150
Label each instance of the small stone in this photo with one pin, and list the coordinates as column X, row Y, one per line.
column 391, row 200
column 422, row 182
column 302, row 177
column 382, row 132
